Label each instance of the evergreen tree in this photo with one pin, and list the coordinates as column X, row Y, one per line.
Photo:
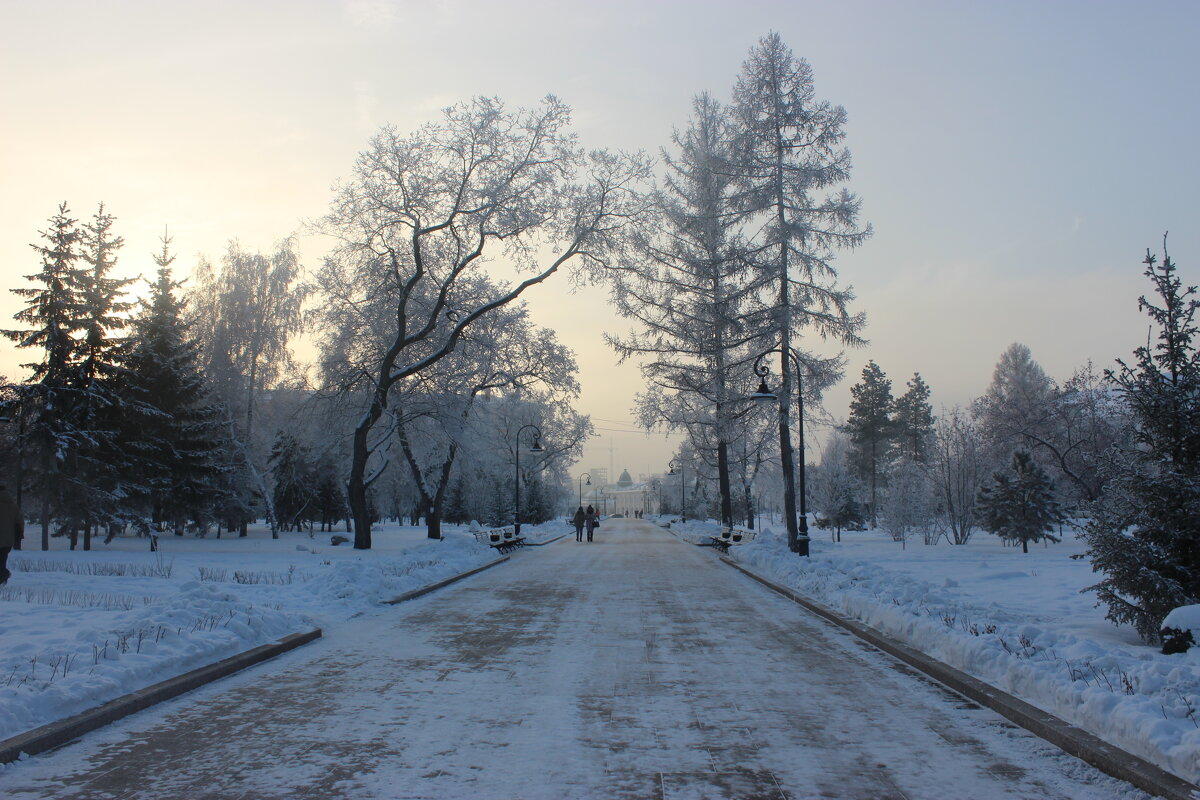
column 872, row 428
column 914, row 422
column 293, row 475
column 97, row 464
column 174, row 432
column 51, row 320
column 1144, row 534
column 1019, row 507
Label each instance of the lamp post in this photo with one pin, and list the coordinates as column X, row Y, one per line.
column 588, row 475
column 797, row 535
column 677, row 463
column 536, row 447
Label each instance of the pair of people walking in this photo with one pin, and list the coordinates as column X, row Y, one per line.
column 588, row 520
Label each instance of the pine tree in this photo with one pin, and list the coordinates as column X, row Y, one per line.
column 1144, row 533
column 1019, row 507
column 872, row 428
column 174, row 431
column 51, row 320
column 914, row 421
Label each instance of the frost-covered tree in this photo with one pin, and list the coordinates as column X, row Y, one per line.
column 957, row 470
column 245, row 314
column 1144, row 534
column 1018, row 505
column 502, row 353
column 910, row 505
column 51, row 321
column 424, row 214
column 790, row 161
column 835, row 488
column 872, row 429
column 692, row 292
column 1016, row 411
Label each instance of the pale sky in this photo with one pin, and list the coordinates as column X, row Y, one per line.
column 1015, row 158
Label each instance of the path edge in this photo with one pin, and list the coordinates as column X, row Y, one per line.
column 56, row 734
column 1074, row 741
column 433, row 587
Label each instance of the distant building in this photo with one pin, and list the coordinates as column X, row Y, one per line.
column 623, row 497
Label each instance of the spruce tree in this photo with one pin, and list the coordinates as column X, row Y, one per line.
column 97, row 464
column 872, row 428
column 1144, row 533
column 174, row 432
column 1019, row 506
column 291, row 469
column 51, row 321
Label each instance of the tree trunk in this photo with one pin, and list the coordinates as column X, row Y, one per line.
column 723, row 481
column 356, row 486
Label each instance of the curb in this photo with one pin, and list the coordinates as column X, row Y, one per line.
column 1074, row 741
column 548, row 541
column 415, row 593
column 56, row 734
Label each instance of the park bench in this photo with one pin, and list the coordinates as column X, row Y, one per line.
column 503, row 540
column 731, row 536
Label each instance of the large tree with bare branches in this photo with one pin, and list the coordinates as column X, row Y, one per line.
column 483, row 189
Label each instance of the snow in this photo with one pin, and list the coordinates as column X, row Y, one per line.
column 82, row 628
column 1018, row 621
column 1185, row 618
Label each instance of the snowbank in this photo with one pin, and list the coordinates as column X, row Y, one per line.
column 82, row 628
column 1016, row 621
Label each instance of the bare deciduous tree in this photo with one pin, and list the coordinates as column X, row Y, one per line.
column 425, row 213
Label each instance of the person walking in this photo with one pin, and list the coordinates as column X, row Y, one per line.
column 12, row 530
column 592, row 519
column 578, row 521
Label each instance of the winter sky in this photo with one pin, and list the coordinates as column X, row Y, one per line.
column 1015, row 158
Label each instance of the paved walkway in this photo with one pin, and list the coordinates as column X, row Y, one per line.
column 633, row 667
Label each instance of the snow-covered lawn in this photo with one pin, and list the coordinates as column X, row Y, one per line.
column 1017, row 621
column 81, row 628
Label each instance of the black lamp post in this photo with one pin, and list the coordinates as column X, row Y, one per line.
column 588, row 475
column 536, row 447
column 682, row 487
column 797, row 535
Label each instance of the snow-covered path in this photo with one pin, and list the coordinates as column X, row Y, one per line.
column 633, row 667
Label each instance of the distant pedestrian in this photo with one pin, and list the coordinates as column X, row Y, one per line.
column 12, row 530
column 578, row 521
column 592, row 520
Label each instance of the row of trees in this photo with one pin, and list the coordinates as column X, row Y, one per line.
column 187, row 411
column 1118, row 452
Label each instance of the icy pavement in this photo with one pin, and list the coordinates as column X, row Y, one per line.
column 633, row 667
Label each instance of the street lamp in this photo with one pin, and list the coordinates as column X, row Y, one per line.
column 677, row 463
column 589, row 483
column 797, row 536
column 536, row 447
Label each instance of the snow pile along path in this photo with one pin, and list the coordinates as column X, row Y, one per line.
column 83, row 628
column 1133, row 697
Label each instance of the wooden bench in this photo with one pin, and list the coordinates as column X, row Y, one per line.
column 501, row 539
column 731, row 536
